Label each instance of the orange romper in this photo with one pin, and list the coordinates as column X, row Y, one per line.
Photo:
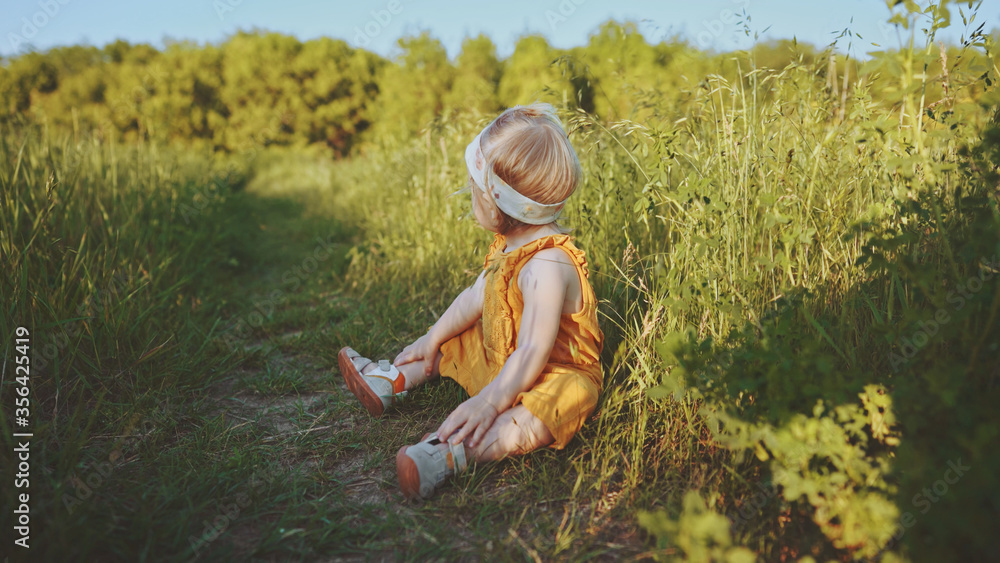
column 566, row 390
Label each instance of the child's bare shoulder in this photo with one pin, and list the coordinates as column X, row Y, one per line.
column 553, row 254
column 549, row 264
column 550, row 275
column 550, row 259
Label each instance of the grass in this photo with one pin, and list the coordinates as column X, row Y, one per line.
column 251, row 446
column 186, row 313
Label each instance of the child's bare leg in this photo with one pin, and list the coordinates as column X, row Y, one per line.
column 516, row 431
column 414, row 374
column 376, row 384
column 422, row 467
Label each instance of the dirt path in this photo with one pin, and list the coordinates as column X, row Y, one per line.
column 282, row 391
column 325, row 488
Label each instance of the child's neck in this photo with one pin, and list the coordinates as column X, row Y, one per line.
column 523, row 236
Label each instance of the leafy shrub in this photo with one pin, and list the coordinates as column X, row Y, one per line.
column 882, row 425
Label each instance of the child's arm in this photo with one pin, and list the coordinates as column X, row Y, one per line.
column 543, row 281
column 461, row 314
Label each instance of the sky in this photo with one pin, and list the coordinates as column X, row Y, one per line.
column 377, row 24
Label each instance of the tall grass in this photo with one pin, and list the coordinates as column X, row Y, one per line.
column 757, row 197
column 110, row 258
column 759, row 243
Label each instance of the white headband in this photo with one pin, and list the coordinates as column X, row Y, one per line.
column 509, row 200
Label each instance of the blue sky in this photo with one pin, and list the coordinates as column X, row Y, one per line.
column 377, row 24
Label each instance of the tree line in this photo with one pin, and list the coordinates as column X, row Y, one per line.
column 263, row 88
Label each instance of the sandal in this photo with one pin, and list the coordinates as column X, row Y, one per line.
column 422, row 467
column 376, row 390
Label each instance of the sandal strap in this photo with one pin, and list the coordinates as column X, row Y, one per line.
column 359, row 366
column 435, row 464
column 389, row 373
column 458, row 461
column 458, row 456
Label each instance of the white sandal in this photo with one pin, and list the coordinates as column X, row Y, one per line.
column 376, row 390
column 422, row 467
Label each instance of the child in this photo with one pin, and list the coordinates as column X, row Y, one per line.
column 523, row 340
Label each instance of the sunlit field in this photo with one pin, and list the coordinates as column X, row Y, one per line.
column 796, row 255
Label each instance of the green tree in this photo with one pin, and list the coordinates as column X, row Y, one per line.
column 184, row 103
column 538, row 72
column 25, row 78
column 412, row 91
column 259, row 89
column 623, row 65
column 477, row 75
column 336, row 86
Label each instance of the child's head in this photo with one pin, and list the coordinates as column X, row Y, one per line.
column 527, row 150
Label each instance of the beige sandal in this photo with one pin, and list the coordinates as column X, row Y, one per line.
column 422, row 467
column 376, row 390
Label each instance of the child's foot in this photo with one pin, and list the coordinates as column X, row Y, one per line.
column 422, row 467
column 376, row 385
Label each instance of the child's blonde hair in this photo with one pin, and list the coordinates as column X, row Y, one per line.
column 530, row 151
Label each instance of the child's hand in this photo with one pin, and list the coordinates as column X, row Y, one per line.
column 425, row 348
column 473, row 417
